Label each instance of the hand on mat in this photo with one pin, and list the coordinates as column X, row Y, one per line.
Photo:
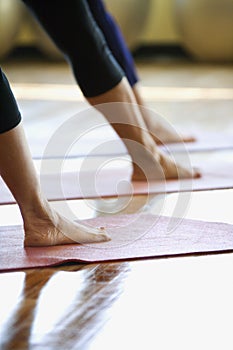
column 50, row 228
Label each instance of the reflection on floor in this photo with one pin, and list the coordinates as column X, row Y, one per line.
column 174, row 303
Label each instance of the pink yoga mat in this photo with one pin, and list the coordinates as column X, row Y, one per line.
column 87, row 131
column 205, row 141
column 135, row 236
column 93, row 144
column 114, row 181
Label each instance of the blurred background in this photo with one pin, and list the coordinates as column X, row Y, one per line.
column 183, row 51
column 203, row 29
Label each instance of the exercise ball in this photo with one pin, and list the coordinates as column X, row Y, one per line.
column 131, row 15
column 206, row 28
column 10, row 21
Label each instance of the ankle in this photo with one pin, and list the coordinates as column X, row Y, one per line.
column 38, row 207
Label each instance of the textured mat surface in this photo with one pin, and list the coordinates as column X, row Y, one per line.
column 133, row 237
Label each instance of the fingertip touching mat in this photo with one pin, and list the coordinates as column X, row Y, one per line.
column 136, row 236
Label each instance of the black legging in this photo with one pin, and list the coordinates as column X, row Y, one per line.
column 73, row 29
column 9, row 112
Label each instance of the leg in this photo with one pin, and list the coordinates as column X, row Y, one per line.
column 100, row 76
column 115, row 40
column 42, row 225
column 73, row 29
column 161, row 132
column 136, row 130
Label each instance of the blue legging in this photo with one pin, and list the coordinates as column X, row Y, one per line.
column 114, row 39
column 91, row 42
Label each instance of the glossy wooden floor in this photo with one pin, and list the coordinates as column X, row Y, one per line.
column 178, row 303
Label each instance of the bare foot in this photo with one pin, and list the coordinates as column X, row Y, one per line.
column 166, row 137
column 160, row 167
column 51, row 229
column 162, row 132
